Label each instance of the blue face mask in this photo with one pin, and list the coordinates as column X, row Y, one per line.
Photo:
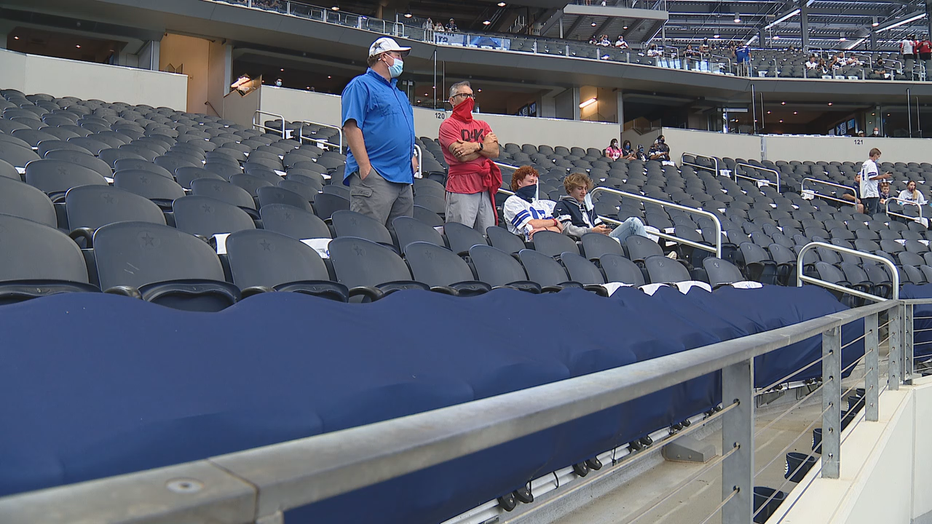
column 527, row 192
column 396, row 68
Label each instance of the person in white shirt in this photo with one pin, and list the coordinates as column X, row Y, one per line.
column 908, row 50
column 812, row 63
column 620, row 43
column 911, row 195
column 524, row 213
column 652, row 51
column 870, row 182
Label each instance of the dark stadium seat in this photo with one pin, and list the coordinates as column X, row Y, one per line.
column 437, row 266
column 90, row 207
column 163, row 191
column 409, row 229
column 293, row 222
column 462, row 237
column 326, row 204
column 170, row 267
column 37, row 260
column 501, row 238
column 225, row 191
column 721, row 272
column 545, row 271
column 263, row 261
column 126, row 164
column 619, row 269
column 551, row 243
column 582, row 270
column 24, row 201
column 499, row 269
column 185, row 175
column 639, row 248
column 55, row 177
column 204, row 216
column 664, row 270
column 276, row 195
column 370, row 270
column 595, row 245
column 756, row 263
column 351, row 224
column 82, row 159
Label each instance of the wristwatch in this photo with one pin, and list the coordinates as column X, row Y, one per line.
column 480, row 146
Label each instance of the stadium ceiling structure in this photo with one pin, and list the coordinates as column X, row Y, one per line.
column 829, row 24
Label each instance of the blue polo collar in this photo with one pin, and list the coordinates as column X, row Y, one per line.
column 372, row 72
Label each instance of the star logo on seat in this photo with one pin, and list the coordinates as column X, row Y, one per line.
column 217, row 188
column 206, row 208
column 266, row 246
column 287, row 216
column 359, row 251
column 62, row 171
column 108, row 198
column 148, row 239
column 429, row 255
column 144, row 180
column 352, row 222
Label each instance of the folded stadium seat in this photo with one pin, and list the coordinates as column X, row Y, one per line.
column 327, row 203
column 552, row 244
column 250, row 183
column 306, row 176
column 91, row 207
column 461, row 237
column 81, row 158
column 351, row 224
column 547, row 272
column 499, row 269
column 173, row 162
column 427, row 216
column 594, row 245
column 226, row 192
column 277, row 195
column 756, row 263
column 263, row 261
column 785, row 259
column 293, row 222
column 15, row 154
column 38, row 261
column 370, row 270
column 409, row 230
column 926, row 272
column 8, row 171
column 57, row 176
column 906, row 258
column 33, row 137
column 172, row 268
column 162, row 191
column 47, row 146
column 831, row 273
column 664, row 270
column 501, row 238
column 24, row 201
column 891, row 246
column 128, row 163
column 914, row 275
column 206, row 217
column 306, row 189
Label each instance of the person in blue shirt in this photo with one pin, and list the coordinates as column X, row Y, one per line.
column 378, row 123
column 743, row 57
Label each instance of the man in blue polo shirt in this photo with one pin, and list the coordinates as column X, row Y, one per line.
column 378, row 123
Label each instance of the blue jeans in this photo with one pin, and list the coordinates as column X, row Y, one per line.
column 632, row 226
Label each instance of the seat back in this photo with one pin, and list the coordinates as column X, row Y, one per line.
column 596, row 244
column 582, row 270
column 721, row 272
column 96, row 206
column 665, row 270
column 351, row 224
column 551, row 243
column 495, row 267
column 408, row 230
column 126, row 164
column 24, row 201
column 57, row 176
column 327, row 203
column 32, row 251
column 279, row 195
column 266, row 258
column 156, row 253
column 462, row 237
column 640, row 248
column 147, row 184
column 435, row 265
column 82, row 159
column 293, row 222
column 619, row 269
column 501, row 238
column 360, row 262
column 207, row 216
column 542, row 269
column 223, row 191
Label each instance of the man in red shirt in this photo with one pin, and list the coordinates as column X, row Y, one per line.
column 924, row 52
column 469, row 145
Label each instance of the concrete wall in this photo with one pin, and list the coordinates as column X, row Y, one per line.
column 843, row 149
column 886, row 471
column 296, row 104
column 709, row 143
column 61, row 77
column 219, row 71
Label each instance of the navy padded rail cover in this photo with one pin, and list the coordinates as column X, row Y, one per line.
column 922, row 320
column 98, row 385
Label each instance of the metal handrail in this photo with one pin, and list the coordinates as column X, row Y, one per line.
column 257, row 125
column 908, row 202
column 257, row 485
column 420, row 161
column 301, row 135
column 802, row 188
column 718, row 224
column 693, row 164
column 759, row 168
column 800, row 278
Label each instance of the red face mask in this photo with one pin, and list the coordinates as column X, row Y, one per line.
column 464, row 110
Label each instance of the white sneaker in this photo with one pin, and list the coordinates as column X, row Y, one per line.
column 671, row 255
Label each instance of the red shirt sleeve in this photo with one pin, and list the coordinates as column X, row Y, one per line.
column 448, row 134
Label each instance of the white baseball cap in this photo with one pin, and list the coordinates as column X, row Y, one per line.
column 386, row 44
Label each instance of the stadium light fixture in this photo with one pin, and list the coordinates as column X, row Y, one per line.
column 408, row 15
column 782, row 19
column 335, row 8
column 737, row 18
column 902, row 22
column 502, row 4
column 588, row 103
column 842, row 38
column 486, row 22
column 875, row 23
